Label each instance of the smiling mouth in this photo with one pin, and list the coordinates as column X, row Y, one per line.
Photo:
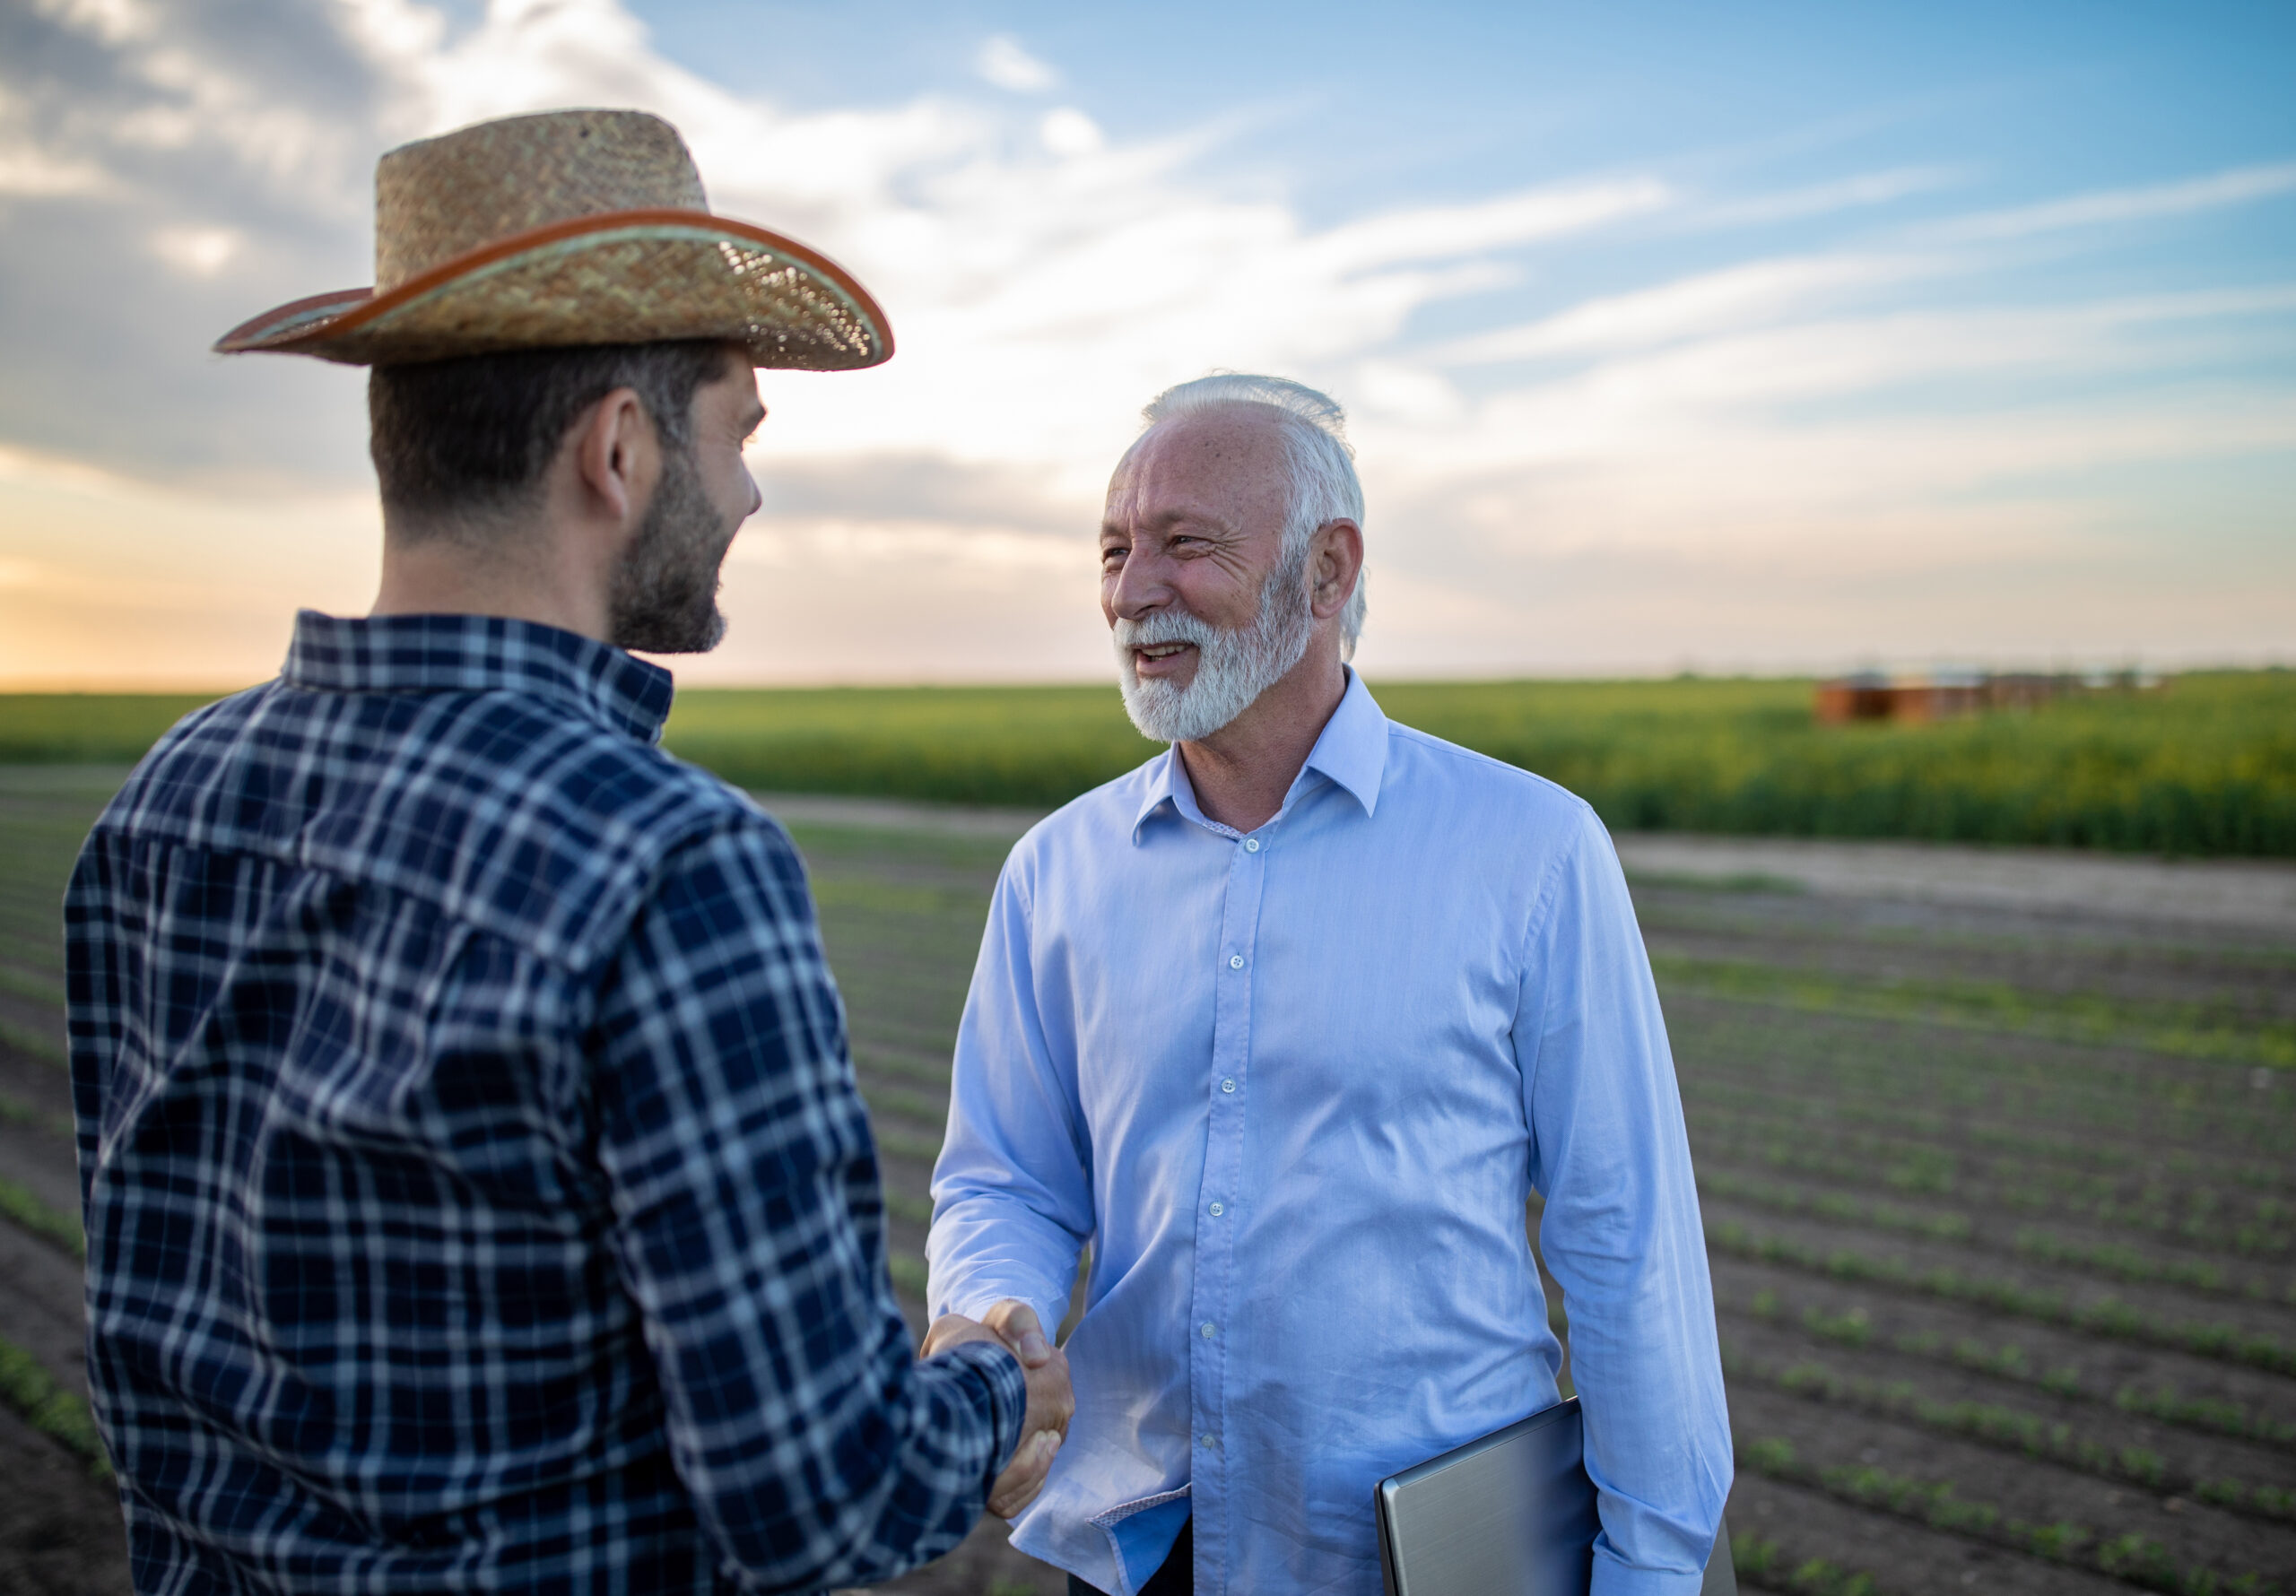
column 1161, row 650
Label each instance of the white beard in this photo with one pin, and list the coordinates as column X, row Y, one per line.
column 1232, row 668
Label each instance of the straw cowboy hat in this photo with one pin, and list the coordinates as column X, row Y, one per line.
column 570, row 227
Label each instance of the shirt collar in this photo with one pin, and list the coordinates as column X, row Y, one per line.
column 1353, row 750
column 1351, row 753
column 405, row 654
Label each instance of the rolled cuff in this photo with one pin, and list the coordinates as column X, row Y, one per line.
column 1615, row 1578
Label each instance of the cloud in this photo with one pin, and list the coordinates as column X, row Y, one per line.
column 201, row 251
column 1734, row 298
column 2241, row 186
column 1070, row 133
column 1821, row 199
column 1002, row 61
column 1596, row 428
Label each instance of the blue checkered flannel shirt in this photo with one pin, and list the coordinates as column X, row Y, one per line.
column 477, row 1193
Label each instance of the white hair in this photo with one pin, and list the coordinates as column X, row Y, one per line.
column 1322, row 465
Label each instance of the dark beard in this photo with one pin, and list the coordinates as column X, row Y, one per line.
column 664, row 598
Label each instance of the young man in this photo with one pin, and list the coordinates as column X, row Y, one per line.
column 476, row 1190
column 1289, row 1022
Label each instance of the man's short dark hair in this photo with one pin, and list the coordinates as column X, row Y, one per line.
column 468, row 437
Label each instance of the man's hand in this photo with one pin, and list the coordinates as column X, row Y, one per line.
column 1051, row 1401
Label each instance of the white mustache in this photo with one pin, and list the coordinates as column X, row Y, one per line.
column 1167, row 626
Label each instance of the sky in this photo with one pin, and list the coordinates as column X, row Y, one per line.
column 1760, row 338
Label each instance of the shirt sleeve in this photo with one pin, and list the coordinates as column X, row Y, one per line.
column 1622, row 1232
column 749, row 1229
column 1012, row 1191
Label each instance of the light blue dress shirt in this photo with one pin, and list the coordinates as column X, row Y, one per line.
column 1295, row 1087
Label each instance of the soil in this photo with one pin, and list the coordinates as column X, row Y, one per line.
column 1944, row 1137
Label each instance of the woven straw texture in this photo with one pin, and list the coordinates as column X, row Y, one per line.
column 446, row 196
column 455, row 277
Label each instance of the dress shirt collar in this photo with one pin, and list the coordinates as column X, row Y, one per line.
column 1351, row 752
column 472, row 654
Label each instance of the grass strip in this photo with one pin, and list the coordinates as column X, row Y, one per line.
column 2182, row 1030
column 22, row 1204
column 57, row 1413
column 2204, row 767
column 2110, row 1317
column 2132, row 1559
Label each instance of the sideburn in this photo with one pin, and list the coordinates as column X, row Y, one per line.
column 664, row 598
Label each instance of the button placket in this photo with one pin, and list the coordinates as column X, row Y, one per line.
column 1215, row 1262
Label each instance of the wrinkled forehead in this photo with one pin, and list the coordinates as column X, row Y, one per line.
column 1231, row 460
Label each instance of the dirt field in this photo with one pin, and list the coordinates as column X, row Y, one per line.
column 2000, row 1189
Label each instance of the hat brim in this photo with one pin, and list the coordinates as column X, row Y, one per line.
column 620, row 277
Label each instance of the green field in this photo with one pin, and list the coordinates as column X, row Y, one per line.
column 2205, row 766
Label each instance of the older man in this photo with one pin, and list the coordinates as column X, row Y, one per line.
column 478, row 1196
column 1288, row 1024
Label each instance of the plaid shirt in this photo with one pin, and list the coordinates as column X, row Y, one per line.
column 477, row 1193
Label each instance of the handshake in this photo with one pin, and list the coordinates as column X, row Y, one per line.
column 1052, row 1402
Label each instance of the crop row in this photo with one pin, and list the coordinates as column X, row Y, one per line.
column 2198, row 1217
column 2012, row 1429
column 2084, row 1122
column 2120, row 1263
column 2162, row 1402
column 27, row 1389
column 2105, row 1259
column 2109, row 1317
column 1793, row 1110
column 1767, row 1565
column 2107, row 1087
column 1705, row 1092
column 2173, row 1029
column 2254, row 1123
column 2133, row 1558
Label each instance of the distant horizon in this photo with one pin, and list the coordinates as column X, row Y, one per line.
column 1593, row 678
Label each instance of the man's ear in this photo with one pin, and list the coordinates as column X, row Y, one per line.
column 1335, row 559
column 617, row 457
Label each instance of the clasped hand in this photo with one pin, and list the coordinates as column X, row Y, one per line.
column 1051, row 1400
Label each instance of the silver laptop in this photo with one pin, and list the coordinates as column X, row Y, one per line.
column 1512, row 1514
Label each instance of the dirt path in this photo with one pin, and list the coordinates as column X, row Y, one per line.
column 2247, row 894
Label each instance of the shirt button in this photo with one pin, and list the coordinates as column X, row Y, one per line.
column 1227, row 1085
column 1235, row 961
column 1210, row 1439
column 1251, row 845
column 1218, row 1208
column 1209, row 1330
